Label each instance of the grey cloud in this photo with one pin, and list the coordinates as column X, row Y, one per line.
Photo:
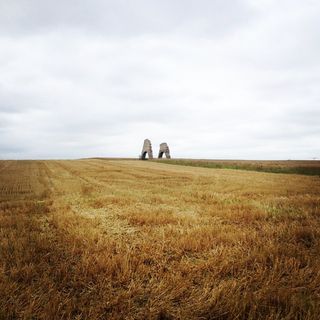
column 306, row 118
column 14, row 102
column 123, row 17
column 214, row 79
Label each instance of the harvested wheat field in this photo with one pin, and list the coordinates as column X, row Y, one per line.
column 121, row 239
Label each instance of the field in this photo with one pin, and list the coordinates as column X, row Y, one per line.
column 125, row 239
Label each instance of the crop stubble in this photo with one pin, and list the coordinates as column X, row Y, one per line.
column 95, row 239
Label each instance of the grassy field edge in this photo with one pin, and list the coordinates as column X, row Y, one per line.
column 311, row 168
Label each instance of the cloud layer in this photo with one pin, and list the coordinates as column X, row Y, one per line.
column 214, row 79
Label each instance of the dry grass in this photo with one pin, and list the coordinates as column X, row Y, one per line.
column 97, row 239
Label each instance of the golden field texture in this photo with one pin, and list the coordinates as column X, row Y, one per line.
column 108, row 239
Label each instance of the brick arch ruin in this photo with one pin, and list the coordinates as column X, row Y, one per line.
column 164, row 149
column 147, row 150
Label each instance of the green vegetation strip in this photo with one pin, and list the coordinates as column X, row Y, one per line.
column 305, row 170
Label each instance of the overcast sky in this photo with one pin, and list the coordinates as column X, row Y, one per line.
column 233, row 79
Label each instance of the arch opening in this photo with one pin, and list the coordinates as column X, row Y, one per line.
column 144, row 155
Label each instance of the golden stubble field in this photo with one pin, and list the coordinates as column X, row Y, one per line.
column 108, row 239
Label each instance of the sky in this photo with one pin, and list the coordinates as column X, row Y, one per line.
column 219, row 79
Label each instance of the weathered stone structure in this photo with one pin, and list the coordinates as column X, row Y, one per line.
column 164, row 149
column 146, row 150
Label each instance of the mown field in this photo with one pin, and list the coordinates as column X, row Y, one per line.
column 122, row 239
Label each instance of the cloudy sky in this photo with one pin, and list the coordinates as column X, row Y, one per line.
column 232, row 79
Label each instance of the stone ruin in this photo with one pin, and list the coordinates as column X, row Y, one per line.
column 147, row 150
column 164, row 149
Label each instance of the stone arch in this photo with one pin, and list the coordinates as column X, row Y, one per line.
column 146, row 150
column 164, row 149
